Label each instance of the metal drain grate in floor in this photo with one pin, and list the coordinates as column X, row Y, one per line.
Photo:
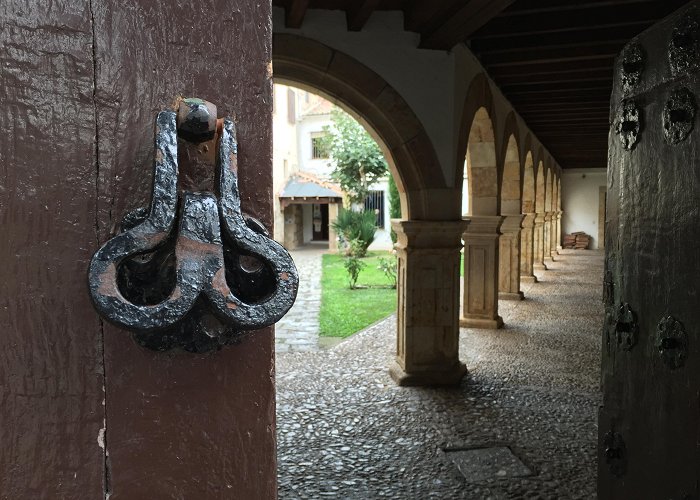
column 482, row 464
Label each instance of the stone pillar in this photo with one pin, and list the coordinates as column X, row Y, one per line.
column 293, row 227
column 509, row 259
column 538, row 246
column 559, row 230
column 480, row 305
column 553, row 236
column 527, row 252
column 333, row 209
column 427, row 344
column 547, row 246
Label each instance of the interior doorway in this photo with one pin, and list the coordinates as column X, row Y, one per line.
column 319, row 230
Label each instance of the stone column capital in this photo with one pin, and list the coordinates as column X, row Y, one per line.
column 511, row 223
column 548, row 216
column 528, row 220
column 539, row 218
column 484, row 224
column 416, row 234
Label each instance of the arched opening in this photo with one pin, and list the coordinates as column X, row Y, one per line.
column 509, row 240
column 538, row 245
column 528, row 204
column 548, row 187
column 428, row 234
column 366, row 96
column 482, row 173
column 510, row 186
column 481, row 256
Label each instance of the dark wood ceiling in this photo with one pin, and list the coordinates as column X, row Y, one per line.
column 553, row 59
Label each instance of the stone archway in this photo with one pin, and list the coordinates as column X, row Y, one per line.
column 509, row 240
column 477, row 143
column 429, row 234
column 539, row 215
column 528, row 224
column 311, row 65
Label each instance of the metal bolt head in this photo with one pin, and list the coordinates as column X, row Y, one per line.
column 196, row 120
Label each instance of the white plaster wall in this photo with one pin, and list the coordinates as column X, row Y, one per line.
column 306, row 127
column 284, row 147
column 580, row 191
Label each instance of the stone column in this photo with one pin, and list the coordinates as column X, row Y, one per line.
column 527, row 252
column 559, row 231
column 480, row 305
column 427, row 344
column 553, row 236
column 333, row 209
column 547, row 246
column 509, row 258
column 538, row 246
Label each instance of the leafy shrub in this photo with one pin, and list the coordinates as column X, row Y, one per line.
column 358, row 227
column 353, row 265
column 389, row 266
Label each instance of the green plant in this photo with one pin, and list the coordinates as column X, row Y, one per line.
column 394, row 204
column 358, row 227
column 356, row 158
column 353, row 265
column 389, row 266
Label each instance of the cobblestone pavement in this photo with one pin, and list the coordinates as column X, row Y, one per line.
column 298, row 330
column 346, row 431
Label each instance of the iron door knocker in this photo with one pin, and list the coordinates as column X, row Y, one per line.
column 191, row 271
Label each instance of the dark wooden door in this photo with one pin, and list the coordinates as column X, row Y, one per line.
column 84, row 411
column 649, row 424
column 320, row 222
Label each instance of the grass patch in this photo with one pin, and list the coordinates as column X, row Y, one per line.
column 344, row 311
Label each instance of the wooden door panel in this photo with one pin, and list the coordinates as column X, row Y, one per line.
column 182, row 425
column 649, row 423
column 51, row 382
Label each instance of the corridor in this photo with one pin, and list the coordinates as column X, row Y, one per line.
column 345, row 430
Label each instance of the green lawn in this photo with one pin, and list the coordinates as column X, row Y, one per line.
column 345, row 311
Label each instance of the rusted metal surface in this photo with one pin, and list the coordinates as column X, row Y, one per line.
column 167, row 277
column 648, row 423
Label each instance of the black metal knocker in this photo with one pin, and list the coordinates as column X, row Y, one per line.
column 191, row 271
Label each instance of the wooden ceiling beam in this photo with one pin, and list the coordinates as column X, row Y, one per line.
column 602, row 74
column 580, row 84
column 359, row 12
column 426, row 16
column 527, row 68
column 572, row 17
column 552, row 54
column 295, row 12
column 472, row 15
column 583, row 36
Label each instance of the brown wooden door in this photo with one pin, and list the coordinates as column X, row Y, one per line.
column 649, row 424
column 84, row 411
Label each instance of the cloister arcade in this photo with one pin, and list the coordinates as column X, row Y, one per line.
column 512, row 223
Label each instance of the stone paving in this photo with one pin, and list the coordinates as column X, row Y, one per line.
column 298, row 330
column 346, row 431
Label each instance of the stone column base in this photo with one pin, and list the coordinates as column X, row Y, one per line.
column 540, row 267
column 481, row 323
column 423, row 378
column 528, row 279
column 511, row 296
